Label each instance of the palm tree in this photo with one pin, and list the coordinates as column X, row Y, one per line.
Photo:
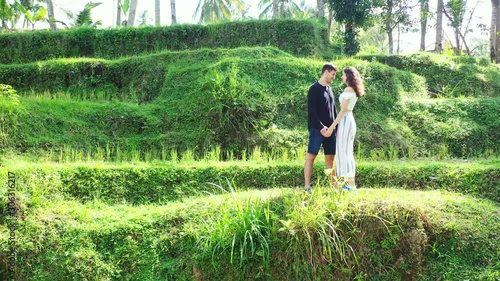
column 118, row 13
column 6, row 13
column 157, row 12
column 276, row 9
column 217, row 10
column 83, row 18
column 131, row 13
column 439, row 26
column 424, row 15
column 286, row 8
column 495, row 5
column 38, row 14
column 50, row 11
column 497, row 32
column 172, row 11
column 321, row 8
column 28, row 5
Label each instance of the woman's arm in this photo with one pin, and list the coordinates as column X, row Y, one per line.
column 343, row 109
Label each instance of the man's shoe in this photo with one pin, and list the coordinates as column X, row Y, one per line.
column 309, row 190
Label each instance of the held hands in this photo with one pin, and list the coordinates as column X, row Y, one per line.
column 326, row 132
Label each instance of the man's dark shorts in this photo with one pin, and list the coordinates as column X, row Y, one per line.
column 316, row 139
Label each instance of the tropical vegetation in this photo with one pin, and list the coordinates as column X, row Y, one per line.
column 176, row 152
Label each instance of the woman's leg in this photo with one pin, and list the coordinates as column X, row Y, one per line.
column 346, row 166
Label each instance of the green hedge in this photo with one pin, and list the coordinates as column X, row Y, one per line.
column 137, row 79
column 447, row 77
column 170, row 182
column 463, row 127
column 299, row 37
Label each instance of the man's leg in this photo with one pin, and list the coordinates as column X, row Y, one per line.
column 308, row 169
column 329, row 165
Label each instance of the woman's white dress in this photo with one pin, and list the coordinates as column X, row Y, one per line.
column 346, row 131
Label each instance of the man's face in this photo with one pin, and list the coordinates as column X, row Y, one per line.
column 330, row 76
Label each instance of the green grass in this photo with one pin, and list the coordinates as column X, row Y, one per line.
column 120, row 177
column 275, row 234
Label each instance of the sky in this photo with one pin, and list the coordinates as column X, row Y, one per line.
column 185, row 9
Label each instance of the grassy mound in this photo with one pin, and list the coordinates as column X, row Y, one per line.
column 137, row 79
column 234, row 98
column 278, row 234
column 448, row 76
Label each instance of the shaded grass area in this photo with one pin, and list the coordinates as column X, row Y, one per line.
column 233, row 98
column 274, row 234
column 412, row 129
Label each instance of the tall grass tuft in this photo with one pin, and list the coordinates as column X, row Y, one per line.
column 174, row 157
column 240, row 232
column 188, row 156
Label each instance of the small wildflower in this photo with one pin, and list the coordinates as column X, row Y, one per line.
column 328, row 172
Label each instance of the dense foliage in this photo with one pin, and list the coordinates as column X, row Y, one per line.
column 299, row 37
column 179, row 165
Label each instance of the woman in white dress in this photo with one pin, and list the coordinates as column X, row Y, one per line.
column 346, row 131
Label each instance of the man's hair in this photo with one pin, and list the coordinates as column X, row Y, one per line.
column 329, row 67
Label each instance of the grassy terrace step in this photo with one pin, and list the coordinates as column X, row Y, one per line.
column 424, row 125
column 277, row 234
column 445, row 76
column 134, row 78
column 158, row 182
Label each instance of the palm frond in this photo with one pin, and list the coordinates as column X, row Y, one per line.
column 266, row 12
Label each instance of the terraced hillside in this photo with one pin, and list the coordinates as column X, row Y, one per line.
column 168, row 164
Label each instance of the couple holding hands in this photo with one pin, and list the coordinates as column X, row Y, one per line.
column 333, row 130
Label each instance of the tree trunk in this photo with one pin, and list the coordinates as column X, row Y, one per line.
column 493, row 28
column 50, row 13
column 275, row 9
column 172, row 9
column 131, row 12
column 330, row 22
column 457, row 40
column 497, row 33
column 118, row 14
column 424, row 11
column 439, row 27
column 157, row 13
column 388, row 27
column 321, row 8
column 399, row 39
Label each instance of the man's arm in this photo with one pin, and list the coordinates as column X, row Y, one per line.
column 312, row 112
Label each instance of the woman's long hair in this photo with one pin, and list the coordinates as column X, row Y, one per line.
column 355, row 81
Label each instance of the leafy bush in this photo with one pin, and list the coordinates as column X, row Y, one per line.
column 299, row 37
column 171, row 182
column 232, row 98
column 136, row 79
column 446, row 77
column 464, row 127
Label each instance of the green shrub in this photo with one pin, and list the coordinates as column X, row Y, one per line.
column 299, row 37
column 465, row 127
column 172, row 182
column 239, row 100
column 447, row 77
column 136, row 79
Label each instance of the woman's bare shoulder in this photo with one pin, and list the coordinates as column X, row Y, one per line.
column 349, row 90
